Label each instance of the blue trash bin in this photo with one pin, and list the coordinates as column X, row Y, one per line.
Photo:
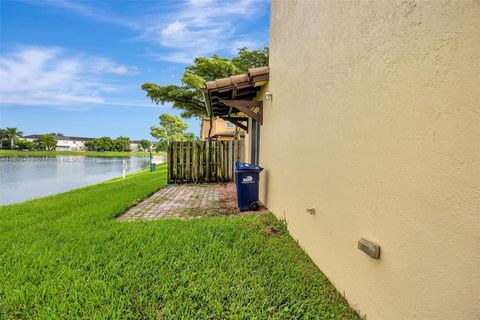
column 247, row 177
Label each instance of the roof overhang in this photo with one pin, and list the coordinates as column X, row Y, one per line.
column 234, row 98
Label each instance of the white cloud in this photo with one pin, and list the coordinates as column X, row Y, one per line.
column 55, row 77
column 104, row 65
column 183, row 29
column 204, row 27
column 174, row 29
column 250, row 44
column 176, row 57
column 94, row 12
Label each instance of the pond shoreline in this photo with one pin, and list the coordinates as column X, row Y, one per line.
column 106, row 154
column 28, row 177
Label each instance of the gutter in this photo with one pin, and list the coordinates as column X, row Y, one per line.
column 208, row 106
column 208, row 101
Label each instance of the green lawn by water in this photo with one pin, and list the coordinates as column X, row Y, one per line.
column 17, row 153
column 65, row 257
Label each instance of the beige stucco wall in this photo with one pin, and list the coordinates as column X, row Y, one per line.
column 378, row 108
column 219, row 125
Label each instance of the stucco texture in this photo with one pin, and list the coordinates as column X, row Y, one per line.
column 375, row 122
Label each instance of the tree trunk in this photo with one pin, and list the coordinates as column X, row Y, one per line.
column 210, row 129
column 12, row 143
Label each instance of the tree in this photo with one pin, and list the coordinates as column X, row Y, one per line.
column 145, row 144
column 103, row 144
column 172, row 128
column 100, row 144
column 189, row 136
column 121, row 144
column 12, row 134
column 47, row 142
column 90, row 145
column 3, row 135
column 188, row 97
column 247, row 59
column 24, row 145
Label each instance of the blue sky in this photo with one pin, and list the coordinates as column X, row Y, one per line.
column 76, row 67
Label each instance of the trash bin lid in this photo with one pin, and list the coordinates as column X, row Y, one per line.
column 242, row 166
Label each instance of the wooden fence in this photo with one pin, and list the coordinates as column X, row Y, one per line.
column 203, row 161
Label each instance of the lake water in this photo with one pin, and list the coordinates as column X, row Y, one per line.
column 24, row 178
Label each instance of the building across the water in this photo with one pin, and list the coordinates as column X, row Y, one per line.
column 64, row 143
column 67, row 143
column 135, row 145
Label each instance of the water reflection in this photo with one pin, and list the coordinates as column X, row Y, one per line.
column 23, row 178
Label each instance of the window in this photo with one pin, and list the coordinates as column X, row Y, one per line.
column 229, row 124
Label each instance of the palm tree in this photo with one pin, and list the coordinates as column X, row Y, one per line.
column 12, row 134
column 3, row 135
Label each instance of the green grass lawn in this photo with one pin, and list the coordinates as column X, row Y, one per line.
column 65, row 257
column 16, row 153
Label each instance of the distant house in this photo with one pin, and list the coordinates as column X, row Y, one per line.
column 221, row 130
column 64, row 143
column 135, row 145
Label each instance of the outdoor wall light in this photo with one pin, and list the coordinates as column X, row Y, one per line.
column 370, row 248
column 268, row 96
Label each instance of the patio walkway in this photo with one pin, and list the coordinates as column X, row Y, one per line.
column 186, row 201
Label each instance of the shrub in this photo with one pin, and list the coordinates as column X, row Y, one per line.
column 24, row 145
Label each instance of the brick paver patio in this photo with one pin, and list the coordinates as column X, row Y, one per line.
column 186, row 201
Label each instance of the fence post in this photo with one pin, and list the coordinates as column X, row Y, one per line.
column 204, row 161
column 201, row 169
column 174, row 162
